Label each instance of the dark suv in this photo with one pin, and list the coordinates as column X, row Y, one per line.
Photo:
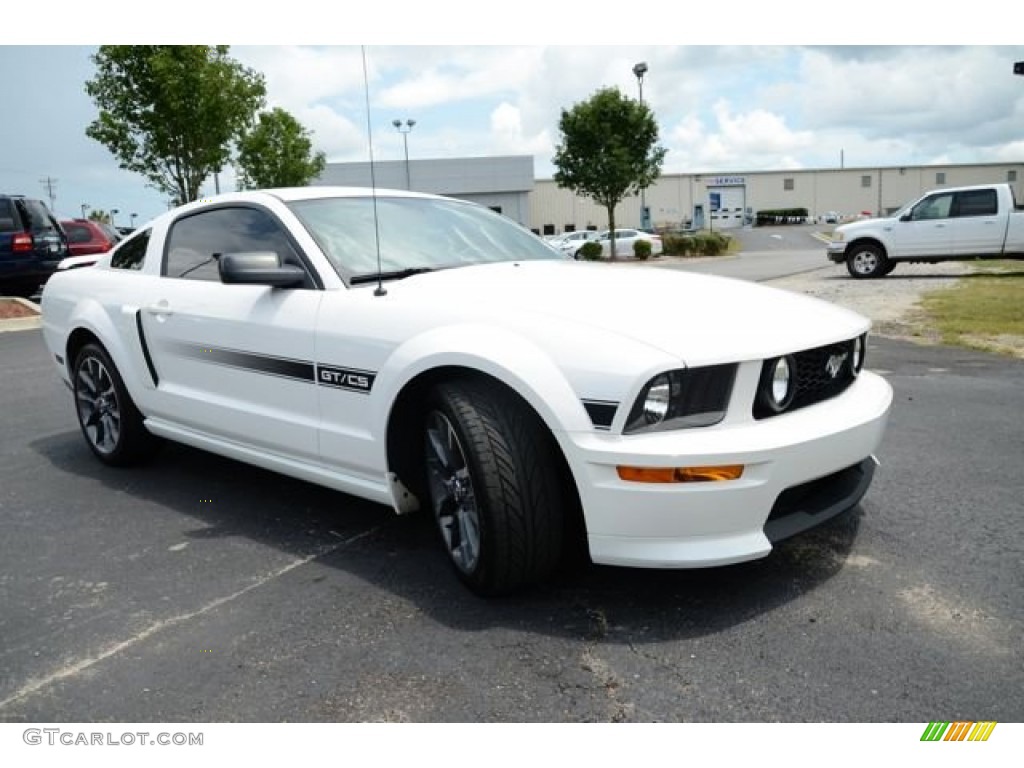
column 31, row 244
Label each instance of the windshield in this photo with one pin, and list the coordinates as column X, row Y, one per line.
column 415, row 234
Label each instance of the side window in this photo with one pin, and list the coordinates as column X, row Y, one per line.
column 977, row 202
column 131, row 254
column 934, row 207
column 197, row 241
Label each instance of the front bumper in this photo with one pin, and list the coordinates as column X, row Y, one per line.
column 836, row 252
column 807, row 466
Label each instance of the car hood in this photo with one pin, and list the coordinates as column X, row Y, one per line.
column 699, row 319
column 854, row 227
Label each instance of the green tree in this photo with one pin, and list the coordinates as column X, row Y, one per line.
column 277, row 152
column 609, row 149
column 172, row 112
column 98, row 214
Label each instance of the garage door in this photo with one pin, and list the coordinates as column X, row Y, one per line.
column 731, row 201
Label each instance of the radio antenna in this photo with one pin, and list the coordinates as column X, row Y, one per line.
column 379, row 291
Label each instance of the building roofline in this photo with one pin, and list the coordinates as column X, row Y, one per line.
column 832, row 169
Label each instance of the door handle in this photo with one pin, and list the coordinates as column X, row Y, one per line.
column 160, row 309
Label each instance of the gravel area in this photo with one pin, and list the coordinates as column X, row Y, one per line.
column 891, row 302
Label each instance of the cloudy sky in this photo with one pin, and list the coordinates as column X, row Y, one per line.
column 719, row 108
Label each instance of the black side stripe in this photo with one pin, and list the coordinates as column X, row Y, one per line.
column 349, row 379
column 145, row 349
column 601, row 412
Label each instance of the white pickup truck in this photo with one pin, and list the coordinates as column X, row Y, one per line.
column 957, row 223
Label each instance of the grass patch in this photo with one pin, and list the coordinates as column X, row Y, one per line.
column 984, row 310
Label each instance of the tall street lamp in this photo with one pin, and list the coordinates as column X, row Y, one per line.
column 112, row 212
column 85, row 207
column 405, row 129
column 640, row 69
column 131, row 218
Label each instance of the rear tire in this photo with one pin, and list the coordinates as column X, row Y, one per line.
column 493, row 486
column 110, row 422
column 867, row 261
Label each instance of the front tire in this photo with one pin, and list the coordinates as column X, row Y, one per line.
column 493, row 485
column 109, row 420
column 867, row 261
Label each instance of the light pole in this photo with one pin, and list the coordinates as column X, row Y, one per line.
column 640, row 69
column 405, row 129
column 112, row 212
column 85, row 207
column 131, row 218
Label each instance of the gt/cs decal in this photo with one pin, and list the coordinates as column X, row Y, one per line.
column 349, row 379
column 345, row 378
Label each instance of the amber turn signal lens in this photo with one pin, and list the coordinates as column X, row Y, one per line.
column 680, row 474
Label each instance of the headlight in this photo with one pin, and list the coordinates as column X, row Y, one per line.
column 838, row 237
column 659, row 396
column 695, row 397
column 778, row 384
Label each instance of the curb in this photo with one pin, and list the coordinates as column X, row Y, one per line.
column 22, row 323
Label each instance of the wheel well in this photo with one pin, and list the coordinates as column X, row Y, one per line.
column 78, row 339
column 404, row 456
column 867, row 241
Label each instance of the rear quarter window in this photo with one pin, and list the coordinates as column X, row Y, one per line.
column 9, row 221
column 131, row 254
column 37, row 217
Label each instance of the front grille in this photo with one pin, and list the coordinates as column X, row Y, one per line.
column 814, row 380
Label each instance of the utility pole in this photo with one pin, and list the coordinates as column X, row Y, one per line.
column 50, row 184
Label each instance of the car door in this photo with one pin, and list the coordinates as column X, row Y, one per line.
column 234, row 362
column 926, row 230
column 977, row 227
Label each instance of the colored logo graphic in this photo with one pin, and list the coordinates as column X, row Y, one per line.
column 959, row 731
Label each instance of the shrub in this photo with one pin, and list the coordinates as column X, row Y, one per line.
column 711, row 243
column 678, row 245
column 591, row 251
column 642, row 249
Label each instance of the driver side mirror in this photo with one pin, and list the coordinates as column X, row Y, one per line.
column 905, row 217
column 259, row 268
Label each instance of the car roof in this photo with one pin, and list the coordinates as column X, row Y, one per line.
column 288, row 195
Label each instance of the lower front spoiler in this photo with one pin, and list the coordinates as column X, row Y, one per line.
column 810, row 504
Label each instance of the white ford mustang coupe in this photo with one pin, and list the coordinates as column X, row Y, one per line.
column 425, row 352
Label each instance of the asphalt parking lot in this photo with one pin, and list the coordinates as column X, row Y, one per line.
column 199, row 589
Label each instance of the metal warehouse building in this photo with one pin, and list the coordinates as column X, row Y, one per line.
column 718, row 200
column 501, row 183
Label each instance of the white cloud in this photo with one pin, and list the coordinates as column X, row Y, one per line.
column 508, row 137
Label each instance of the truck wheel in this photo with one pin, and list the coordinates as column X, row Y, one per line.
column 110, row 422
column 493, row 485
column 865, row 261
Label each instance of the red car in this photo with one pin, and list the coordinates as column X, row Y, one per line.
column 88, row 237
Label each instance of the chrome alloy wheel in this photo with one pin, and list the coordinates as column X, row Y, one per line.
column 451, row 493
column 98, row 408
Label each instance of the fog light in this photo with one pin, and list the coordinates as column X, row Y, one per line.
column 858, row 355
